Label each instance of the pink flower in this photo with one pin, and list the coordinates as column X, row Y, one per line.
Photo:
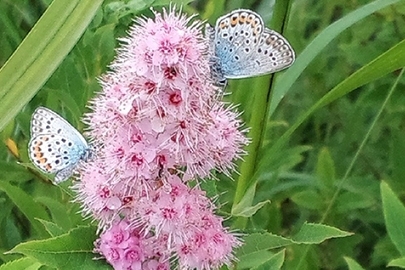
column 156, row 124
column 178, row 222
column 124, row 247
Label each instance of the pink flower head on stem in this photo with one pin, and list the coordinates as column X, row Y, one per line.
column 158, row 123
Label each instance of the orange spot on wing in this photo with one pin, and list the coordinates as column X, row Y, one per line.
column 234, row 20
column 42, row 161
column 48, row 167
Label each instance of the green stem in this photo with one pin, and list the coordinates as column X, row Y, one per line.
column 258, row 118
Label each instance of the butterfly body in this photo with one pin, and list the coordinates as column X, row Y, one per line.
column 240, row 46
column 55, row 145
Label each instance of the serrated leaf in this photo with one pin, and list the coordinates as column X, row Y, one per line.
column 26, row 204
column 400, row 262
column 352, row 264
column 254, row 259
column 73, row 250
column 53, row 229
column 311, row 233
column 23, row 263
column 275, row 262
column 394, row 215
column 257, row 242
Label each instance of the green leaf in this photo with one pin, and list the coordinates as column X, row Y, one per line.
column 58, row 212
column 15, row 172
column 244, row 208
column 73, row 250
column 52, row 228
column 387, row 62
column 394, row 215
column 275, row 262
column 257, row 242
column 178, row 3
column 288, row 78
column 309, row 199
column 311, row 233
column 23, row 263
column 349, row 201
column 352, row 264
column 30, row 208
column 254, row 252
column 40, row 53
column 210, row 187
column 400, row 262
column 254, row 259
column 325, row 171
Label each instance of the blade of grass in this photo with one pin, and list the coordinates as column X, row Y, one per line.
column 354, row 159
column 288, row 78
column 257, row 123
column 40, row 53
column 387, row 62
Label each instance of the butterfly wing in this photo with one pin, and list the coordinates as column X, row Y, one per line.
column 236, row 36
column 45, row 121
column 52, row 152
column 64, row 174
column 273, row 54
column 245, row 48
column 55, row 145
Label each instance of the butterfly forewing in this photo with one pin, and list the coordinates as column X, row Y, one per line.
column 45, row 121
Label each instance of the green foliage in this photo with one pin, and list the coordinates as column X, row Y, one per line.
column 324, row 133
column 72, row 250
column 23, row 263
column 394, row 215
column 352, row 264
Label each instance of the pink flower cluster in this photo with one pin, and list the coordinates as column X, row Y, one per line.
column 182, row 222
column 157, row 124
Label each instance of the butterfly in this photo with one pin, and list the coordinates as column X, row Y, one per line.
column 55, row 145
column 240, row 46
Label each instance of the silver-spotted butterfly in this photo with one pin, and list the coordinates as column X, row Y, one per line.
column 55, row 145
column 240, row 46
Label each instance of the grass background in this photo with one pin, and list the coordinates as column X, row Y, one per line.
column 325, row 133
